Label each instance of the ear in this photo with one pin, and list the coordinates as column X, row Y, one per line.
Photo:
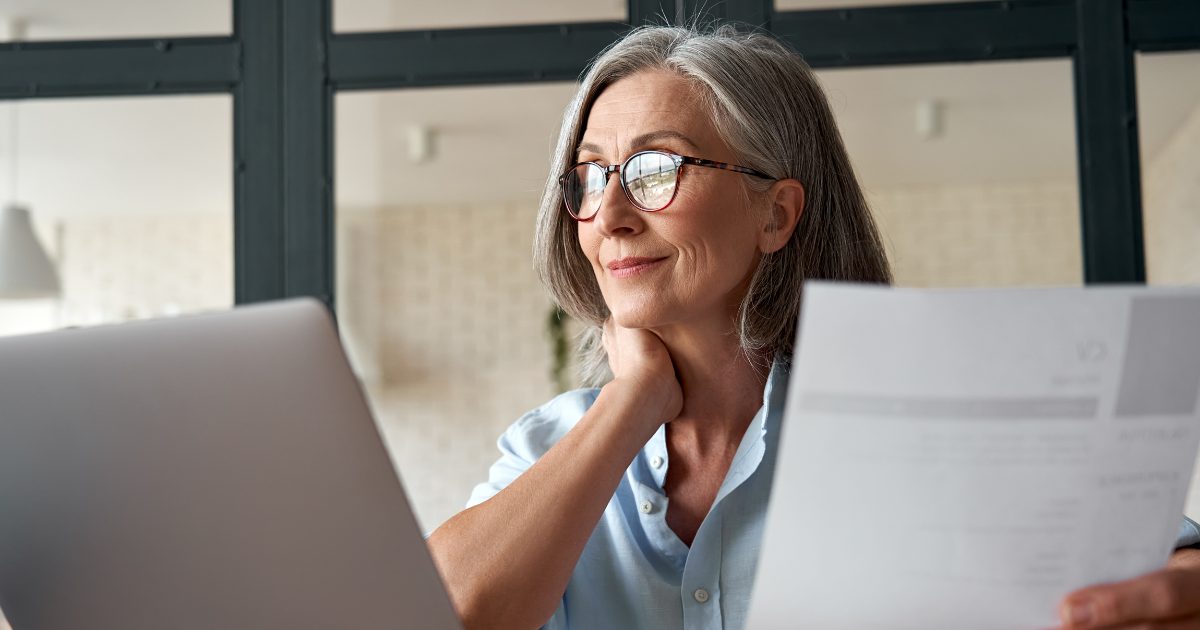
column 787, row 204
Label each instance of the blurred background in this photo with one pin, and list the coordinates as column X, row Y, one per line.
column 970, row 167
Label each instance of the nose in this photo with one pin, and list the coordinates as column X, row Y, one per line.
column 617, row 216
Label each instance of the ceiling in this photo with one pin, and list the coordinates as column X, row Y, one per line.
column 1010, row 121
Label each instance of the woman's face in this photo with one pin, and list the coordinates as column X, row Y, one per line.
column 698, row 254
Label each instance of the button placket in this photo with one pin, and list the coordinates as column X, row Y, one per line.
column 654, row 456
column 701, row 592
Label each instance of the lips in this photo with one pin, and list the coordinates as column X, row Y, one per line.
column 632, row 265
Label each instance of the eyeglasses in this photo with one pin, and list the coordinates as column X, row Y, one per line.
column 650, row 180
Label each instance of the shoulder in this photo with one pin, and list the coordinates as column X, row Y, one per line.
column 537, row 431
column 527, row 439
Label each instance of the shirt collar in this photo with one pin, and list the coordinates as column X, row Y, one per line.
column 752, row 446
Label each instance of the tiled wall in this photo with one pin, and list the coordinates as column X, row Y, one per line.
column 120, row 268
column 1171, row 194
column 446, row 313
column 137, row 266
column 998, row 235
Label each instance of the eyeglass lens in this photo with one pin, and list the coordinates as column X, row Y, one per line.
column 649, row 178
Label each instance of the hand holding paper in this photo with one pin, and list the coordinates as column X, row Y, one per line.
column 956, row 459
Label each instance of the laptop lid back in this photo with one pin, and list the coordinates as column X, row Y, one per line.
column 211, row 471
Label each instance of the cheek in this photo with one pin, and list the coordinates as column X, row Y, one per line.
column 589, row 243
column 588, row 240
column 719, row 242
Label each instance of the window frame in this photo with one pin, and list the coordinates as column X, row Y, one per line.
column 283, row 64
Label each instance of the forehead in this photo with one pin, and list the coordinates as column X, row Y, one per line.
column 644, row 102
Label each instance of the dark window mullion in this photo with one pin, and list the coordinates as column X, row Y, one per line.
column 930, row 33
column 471, row 56
column 756, row 13
column 283, row 209
column 1106, row 123
column 642, row 12
column 308, row 149
column 259, row 226
column 1163, row 25
column 118, row 67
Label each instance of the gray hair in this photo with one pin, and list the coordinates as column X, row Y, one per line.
column 772, row 113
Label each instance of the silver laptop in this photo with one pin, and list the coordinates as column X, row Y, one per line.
column 211, row 471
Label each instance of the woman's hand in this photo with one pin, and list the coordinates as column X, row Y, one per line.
column 1167, row 599
column 639, row 360
column 507, row 561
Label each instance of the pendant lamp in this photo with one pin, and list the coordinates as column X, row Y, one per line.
column 26, row 271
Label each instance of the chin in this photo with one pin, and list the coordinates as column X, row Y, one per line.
column 635, row 317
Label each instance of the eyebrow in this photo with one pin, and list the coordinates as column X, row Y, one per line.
column 641, row 141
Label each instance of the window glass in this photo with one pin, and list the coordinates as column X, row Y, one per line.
column 439, row 307
column 73, row 19
column 1169, row 131
column 436, row 199
column 390, row 15
column 970, row 169
column 131, row 201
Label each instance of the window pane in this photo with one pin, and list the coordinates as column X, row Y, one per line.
column 439, row 306
column 970, row 169
column 72, row 19
column 1169, row 130
column 132, row 200
column 373, row 15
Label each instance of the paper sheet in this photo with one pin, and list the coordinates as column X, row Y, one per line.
column 964, row 458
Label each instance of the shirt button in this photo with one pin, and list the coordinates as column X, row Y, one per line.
column 646, row 507
column 701, row 595
column 656, row 462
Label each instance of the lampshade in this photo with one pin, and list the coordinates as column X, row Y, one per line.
column 25, row 269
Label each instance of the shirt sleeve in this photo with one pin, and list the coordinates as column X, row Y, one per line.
column 1189, row 534
column 529, row 438
column 506, row 469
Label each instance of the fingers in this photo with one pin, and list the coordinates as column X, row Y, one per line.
column 1169, row 599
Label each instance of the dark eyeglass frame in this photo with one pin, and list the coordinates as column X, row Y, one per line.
column 679, row 160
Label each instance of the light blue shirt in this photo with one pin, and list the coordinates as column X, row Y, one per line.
column 634, row 571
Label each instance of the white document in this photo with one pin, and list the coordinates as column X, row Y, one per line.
column 965, row 458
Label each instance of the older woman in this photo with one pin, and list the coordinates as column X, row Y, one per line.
column 699, row 179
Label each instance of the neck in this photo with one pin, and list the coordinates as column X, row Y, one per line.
column 722, row 385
